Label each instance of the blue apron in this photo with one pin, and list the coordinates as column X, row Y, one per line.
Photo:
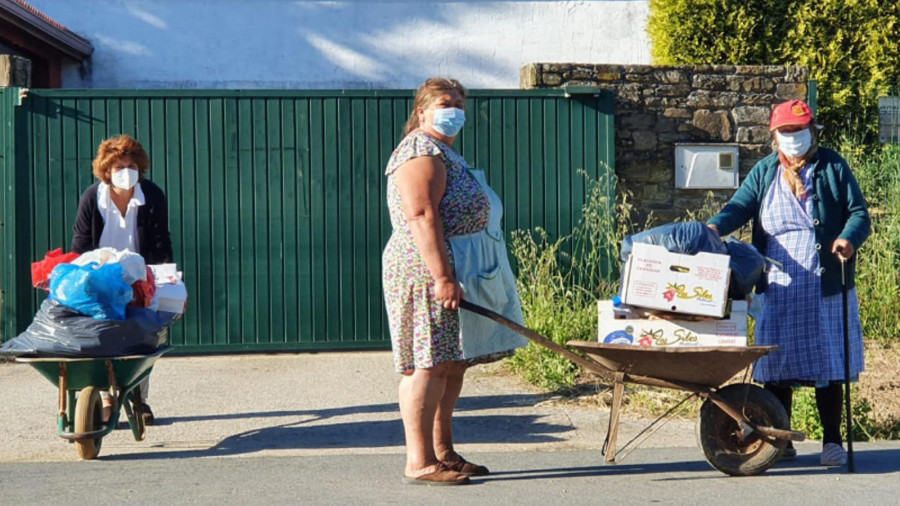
column 482, row 268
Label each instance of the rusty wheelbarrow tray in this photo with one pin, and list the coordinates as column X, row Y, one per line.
column 742, row 429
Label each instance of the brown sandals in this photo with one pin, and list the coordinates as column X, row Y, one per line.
column 467, row 468
column 443, row 476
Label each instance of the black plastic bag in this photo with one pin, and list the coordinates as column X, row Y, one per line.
column 747, row 265
column 58, row 331
column 687, row 238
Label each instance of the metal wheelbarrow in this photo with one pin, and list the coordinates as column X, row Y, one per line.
column 742, row 429
column 80, row 381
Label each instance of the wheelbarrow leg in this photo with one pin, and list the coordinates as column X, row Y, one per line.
column 612, row 433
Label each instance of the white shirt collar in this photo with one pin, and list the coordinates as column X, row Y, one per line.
column 104, row 201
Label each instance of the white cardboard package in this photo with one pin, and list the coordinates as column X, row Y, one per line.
column 691, row 284
column 731, row 331
column 171, row 294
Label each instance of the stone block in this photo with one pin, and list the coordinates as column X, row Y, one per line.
column 747, row 84
column 662, row 173
column 791, row 91
column 752, row 135
column 607, row 73
column 638, row 69
column 639, row 121
column 718, row 69
column 558, row 68
column 766, row 99
column 709, row 82
column 751, row 115
column 529, row 76
column 671, row 76
column 668, row 125
column 673, row 90
column 550, row 79
column 644, row 140
column 759, row 70
column 640, row 78
column 796, row 74
column 579, row 82
column 678, row 112
column 630, row 92
column 15, row 71
column 671, row 138
column 704, row 99
column 713, row 123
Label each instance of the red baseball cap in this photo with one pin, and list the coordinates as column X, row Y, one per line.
column 792, row 112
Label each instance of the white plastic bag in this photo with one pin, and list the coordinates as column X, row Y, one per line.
column 133, row 266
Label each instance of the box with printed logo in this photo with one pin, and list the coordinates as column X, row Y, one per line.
column 690, row 284
column 731, row 331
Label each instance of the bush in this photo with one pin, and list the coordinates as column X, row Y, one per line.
column 850, row 47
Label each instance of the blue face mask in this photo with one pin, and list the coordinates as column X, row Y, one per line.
column 449, row 120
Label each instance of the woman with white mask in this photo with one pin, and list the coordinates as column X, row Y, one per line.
column 809, row 215
column 126, row 212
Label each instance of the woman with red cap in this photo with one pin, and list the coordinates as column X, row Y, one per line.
column 808, row 216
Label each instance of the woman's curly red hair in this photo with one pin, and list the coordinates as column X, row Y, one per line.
column 114, row 148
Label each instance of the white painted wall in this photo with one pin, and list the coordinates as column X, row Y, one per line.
column 344, row 44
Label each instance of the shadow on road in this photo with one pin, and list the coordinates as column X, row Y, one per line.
column 309, row 432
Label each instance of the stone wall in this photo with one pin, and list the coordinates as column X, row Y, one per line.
column 657, row 107
column 15, row 71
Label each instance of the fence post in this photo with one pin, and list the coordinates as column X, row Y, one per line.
column 813, row 96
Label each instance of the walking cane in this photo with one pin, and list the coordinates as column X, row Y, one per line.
column 847, row 365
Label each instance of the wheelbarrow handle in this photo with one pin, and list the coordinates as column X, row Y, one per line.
column 530, row 334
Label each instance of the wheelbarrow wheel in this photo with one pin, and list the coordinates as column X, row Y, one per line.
column 88, row 418
column 720, row 438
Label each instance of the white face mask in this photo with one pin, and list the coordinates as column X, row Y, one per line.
column 794, row 144
column 125, row 178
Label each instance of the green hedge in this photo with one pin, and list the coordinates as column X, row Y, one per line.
column 852, row 47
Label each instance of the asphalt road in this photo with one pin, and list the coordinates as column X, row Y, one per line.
column 649, row 476
column 325, row 429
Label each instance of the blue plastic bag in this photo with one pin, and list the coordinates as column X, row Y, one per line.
column 98, row 292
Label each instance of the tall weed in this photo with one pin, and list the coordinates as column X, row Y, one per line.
column 559, row 290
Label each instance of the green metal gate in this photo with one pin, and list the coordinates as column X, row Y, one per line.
column 276, row 198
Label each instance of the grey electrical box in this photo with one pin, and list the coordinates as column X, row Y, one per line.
column 706, row 166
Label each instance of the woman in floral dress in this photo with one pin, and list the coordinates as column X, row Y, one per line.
column 432, row 197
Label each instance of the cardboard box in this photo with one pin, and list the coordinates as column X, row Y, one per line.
column 691, row 284
column 731, row 331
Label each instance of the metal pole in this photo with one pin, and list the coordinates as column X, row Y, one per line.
column 850, row 466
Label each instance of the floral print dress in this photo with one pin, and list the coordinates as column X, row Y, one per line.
column 423, row 333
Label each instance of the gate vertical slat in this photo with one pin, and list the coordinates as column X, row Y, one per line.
column 218, row 198
column 343, row 223
column 290, row 227
column 201, row 220
column 305, row 296
column 551, row 169
column 360, row 250
column 274, row 192
column 234, row 252
column 244, row 219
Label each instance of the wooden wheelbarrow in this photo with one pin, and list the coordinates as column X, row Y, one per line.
column 742, row 428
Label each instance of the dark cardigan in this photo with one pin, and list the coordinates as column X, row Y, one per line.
column 839, row 212
column 152, row 224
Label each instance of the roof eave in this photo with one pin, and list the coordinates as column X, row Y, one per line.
column 63, row 40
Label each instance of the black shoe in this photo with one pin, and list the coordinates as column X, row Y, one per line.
column 147, row 415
